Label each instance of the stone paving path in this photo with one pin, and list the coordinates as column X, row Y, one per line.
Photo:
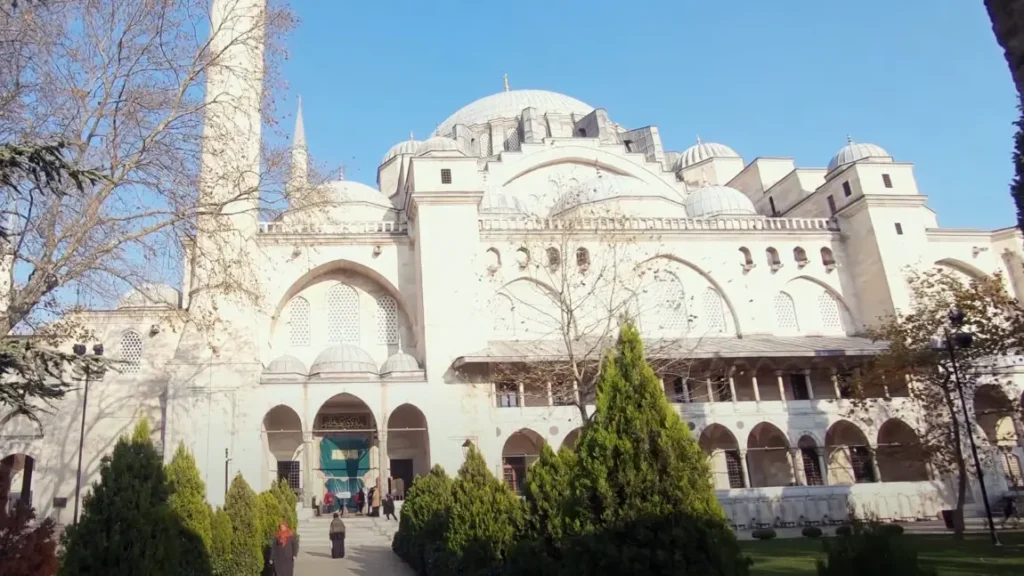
column 367, row 549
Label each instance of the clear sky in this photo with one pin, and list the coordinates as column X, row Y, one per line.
column 924, row 79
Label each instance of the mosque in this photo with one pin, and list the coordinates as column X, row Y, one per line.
column 396, row 315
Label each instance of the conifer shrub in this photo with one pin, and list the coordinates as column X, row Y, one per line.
column 870, row 548
column 126, row 526
column 424, row 520
column 246, row 529
column 844, row 530
column 811, row 532
column 27, row 548
column 270, row 515
column 220, row 543
column 188, row 494
column 891, row 529
column 287, row 499
column 483, row 521
column 547, row 520
column 763, row 534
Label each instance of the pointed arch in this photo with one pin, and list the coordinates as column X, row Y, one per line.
column 962, row 267
column 730, row 307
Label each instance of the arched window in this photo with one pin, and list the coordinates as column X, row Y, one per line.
column 827, row 259
column 298, row 322
column 773, row 258
column 503, row 314
column 785, row 312
column 343, row 315
column 131, row 352
column 800, row 256
column 387, row 320
column 493, row 259
column 523, row 257
column 582, row 259
column 748, row 260
column 829, row 308
column 554, row 257
column 664, row 306
column 714, row 311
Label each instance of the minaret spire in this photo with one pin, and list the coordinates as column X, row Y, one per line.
column 299, row 177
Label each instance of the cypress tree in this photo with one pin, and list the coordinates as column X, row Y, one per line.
column 220, row 543
column 1017, row 184
column 287, row 499
column 424, row 520
column 269, row 515
column 246, row 546
column 188, row 494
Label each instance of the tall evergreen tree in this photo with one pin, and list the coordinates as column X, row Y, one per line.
column 424, row 520
column 126, row 527
column 246, row 545
column 220, row 543
column 287, row 499
column 188, row 494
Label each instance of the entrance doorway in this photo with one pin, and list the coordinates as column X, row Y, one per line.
column 16, row 479
column 401, row 475
column 348, row 462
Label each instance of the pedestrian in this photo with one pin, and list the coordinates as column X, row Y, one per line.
column 284, row 549
column 389, row 507
column 1009, row 509
column 337, row 535
column 360, row 501
column 329, row 501
column 369, row 501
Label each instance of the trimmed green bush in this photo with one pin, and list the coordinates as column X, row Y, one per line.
column 870, row 548
column 126, row 526
column 188, row 494
column 220, row 543
column 811, row 532
column 287, row 499
column 424, row 520
column 763, row 534
column 270, row 514
column 246, row 529
column 844, row 531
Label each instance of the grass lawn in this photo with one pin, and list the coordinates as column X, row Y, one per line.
column 973, row 556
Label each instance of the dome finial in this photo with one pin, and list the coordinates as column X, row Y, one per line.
column 505, row 78
column 698, row 139
column 849, row 139
column 411, row 135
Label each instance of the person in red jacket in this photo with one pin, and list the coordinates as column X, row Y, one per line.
column 329, row 501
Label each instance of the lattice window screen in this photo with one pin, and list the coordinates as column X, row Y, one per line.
column 512, row 139
column 387, row 320
column 785, row 312
column 485, row 143
column 298, row 322
column 714, row 311
column 664, row 308
column 733, row 469
column 343, row 315
column 503, row 312
column 830, row 318
column 131, row 352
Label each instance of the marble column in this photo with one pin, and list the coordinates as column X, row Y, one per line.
column 745, row 467
column 551, row 401
column 798, row 466
column 757, row 391
column 782, row 385
column 823, row 463
column 834, row 375
column 732, row 383
column 686, row 390
column 711, row 393
column 810, row 384
column 874, row 463
column 522, row 395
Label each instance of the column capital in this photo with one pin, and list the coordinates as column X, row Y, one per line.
column 778, row 372
column 806, row 371
column 833, row 370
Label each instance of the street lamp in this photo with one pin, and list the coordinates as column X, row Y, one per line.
column 465, row 448
column 957, row 339
column 97, row 351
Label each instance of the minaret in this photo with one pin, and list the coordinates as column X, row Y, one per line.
column 298, row 180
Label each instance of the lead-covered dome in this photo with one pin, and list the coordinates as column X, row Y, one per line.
column 343, row 358
column 286, row 366
column 440, row 144
column 702, row 151
column 510, row 104
column 348, row 191
column 400, row 362
column 497, row 202
column 604, row 187
column 409, row 146
column 718, row 201
column 855, row 151
column 151, row 296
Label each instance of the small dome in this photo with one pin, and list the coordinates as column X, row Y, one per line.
column 151, row 296
column 400, row 362
column 605, row 186
column 409, row 146
column 286, row 365
column 855, row 151
column 510, row 104
column 497, row 202
column 346, row 191
column 718, row 201
column 701, row 151
column 440, row 144
column 344, row 358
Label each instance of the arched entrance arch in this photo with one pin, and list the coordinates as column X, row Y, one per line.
column 769, row 457
column 16, row 475
column 408, row 445
column 811, row 461
column 850, row 459
column 720, row 446
column 994, row 414
column 520, row 451
column 571, row 439
column 346, row 448
column 282, row 445
column 900, row 456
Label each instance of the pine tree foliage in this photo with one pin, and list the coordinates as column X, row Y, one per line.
column 221, row 536
column 27, row 547
column 126, row 527
column 546, row 494
column 246, row 545
column 424, row 520
column 269, row 515
column 287, row 499
column 188, row 494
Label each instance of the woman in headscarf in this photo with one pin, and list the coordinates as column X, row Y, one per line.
column 284, row 549
column 337, row 534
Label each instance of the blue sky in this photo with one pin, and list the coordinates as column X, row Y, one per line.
column 925, row 79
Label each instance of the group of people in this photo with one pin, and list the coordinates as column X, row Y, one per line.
column 366, row 502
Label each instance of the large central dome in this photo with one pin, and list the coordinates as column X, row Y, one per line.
column 510, row 105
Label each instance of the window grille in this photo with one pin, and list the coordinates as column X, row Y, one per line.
column 446, row 175
column 860, row 460
column 343, row 315
column 714, row 313
column 886, row 181
column 829, row 308
column 734, row 469
column 665, row 309
column 387, row 320
column 289, row 471
column 485, row 144
column 812, row 467
column 131, row 352
column 298, row 322
column 846, row 189
column 785, row 312
column 1014, row 477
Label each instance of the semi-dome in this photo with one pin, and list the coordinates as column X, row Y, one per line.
column 286, row 366
column 343, row 358
column 711, row 201
column 602, row 187
column 409, row 146
column 440, row 144
column 702, row 151
column 497, row 202
column 151, row 296
column 347, row 191
column 854, row 151
column 400, row 362
column 510, row 104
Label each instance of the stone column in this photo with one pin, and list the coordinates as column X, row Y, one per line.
column 782, row 386
column 798, row 466
column 757, row 391
column 823, row 462
column 551, row 401
column 745, row 468
column 385, row 462
column 874, row 463
column 686, row 390
column 711, row 393
column 834, row 375
column 732, row 383
column 810, row 384
column 308, row 447
column 522, row 394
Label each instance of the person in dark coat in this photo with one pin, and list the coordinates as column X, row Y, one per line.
column 337, row 534
column 389, row 507
column 284, row 549
column 360, row 500
column 371, row 497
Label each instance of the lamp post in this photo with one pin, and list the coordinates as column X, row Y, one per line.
column 957, row 339
column 79, row 350
column 465, row 447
